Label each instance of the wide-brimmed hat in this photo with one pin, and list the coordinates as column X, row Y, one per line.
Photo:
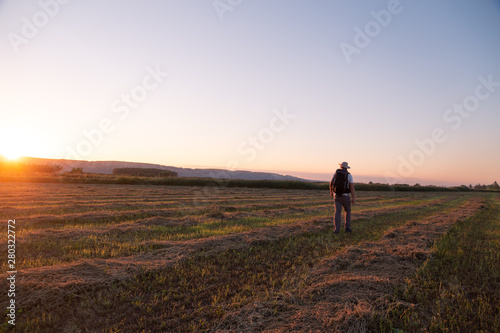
column 345, row 165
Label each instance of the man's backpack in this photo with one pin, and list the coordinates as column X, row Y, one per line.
column 340, row 182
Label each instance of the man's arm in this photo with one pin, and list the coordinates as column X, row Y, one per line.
column 331, row 188
column 353, row 192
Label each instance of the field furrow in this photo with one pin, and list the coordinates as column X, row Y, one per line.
column 42, row 247
column 345, row 290
column 214, row 257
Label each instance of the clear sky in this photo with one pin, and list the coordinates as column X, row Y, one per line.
column 405, row 91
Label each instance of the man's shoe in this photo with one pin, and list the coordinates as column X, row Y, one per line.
column 348, row 230
column 336, row 232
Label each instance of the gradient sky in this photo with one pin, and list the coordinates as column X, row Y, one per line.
column 258, row 85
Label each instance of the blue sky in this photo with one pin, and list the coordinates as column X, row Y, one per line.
column 234, row 66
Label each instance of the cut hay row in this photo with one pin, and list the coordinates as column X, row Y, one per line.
column 457, row 288
column 44, row 283
column 44, row 225
column 79, row 246
column 52, row 192
column 66, row 198
column 193, row 290
column 97, row 216
column 346, row 291
column 134, row 201
column 55, row 246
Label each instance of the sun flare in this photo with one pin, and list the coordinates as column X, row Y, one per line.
column 12, row 156
column 15, row 143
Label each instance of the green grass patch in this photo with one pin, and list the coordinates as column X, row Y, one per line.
column 457, row 290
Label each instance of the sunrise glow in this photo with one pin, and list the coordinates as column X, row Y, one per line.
column 19, row 141
column 405, row 91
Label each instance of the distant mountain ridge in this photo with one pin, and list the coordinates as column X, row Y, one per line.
column 106, row 167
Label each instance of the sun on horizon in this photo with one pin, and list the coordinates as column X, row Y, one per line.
column 18, row 142
column 11, row 157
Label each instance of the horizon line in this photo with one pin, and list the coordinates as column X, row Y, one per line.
column 304, row 175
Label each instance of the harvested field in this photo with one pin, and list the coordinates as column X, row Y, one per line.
column 128, row 258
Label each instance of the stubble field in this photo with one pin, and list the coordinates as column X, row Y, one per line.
column 130, row 258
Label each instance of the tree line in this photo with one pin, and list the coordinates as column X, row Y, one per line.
column 493, row 186
column 144, row 172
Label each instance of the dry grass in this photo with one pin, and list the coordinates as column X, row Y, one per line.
column 122, row 254
column 346, row 291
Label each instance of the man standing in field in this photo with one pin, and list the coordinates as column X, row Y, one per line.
column 340, row 187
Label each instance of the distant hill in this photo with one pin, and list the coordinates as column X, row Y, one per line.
column 106, row 167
